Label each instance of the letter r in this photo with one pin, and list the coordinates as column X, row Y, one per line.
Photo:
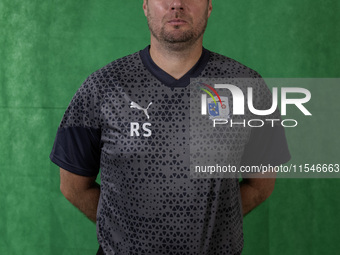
column 134, row 126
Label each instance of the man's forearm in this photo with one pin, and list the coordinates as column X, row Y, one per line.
column 250, row 198
column 254, row 192
column 87, row 201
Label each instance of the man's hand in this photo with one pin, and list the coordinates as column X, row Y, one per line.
column 254, row 191
column 83, row 192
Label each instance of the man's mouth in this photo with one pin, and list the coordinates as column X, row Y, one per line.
column 177, row 22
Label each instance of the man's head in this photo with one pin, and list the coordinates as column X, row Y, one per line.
column 177, row 24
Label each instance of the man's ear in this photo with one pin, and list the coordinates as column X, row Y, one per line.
column 209, row 8
column 145, row 8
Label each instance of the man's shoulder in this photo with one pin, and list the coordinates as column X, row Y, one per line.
column 227, row 65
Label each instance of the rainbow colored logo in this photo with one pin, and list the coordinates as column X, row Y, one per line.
column 209, row 93
column 210, row 105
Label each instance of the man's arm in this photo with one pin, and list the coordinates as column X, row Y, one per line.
column 254, row 191
column 83, row 192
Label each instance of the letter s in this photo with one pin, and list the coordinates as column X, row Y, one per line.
column 148, row 131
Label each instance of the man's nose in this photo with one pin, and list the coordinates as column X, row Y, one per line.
column 177, row 5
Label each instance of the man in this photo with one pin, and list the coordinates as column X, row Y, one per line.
column 130, row 119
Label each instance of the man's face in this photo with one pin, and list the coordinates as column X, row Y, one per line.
column 177, row 22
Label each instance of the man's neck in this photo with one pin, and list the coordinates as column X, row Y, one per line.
column 175, row 62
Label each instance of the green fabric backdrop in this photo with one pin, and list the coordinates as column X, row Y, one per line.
column 48, row 48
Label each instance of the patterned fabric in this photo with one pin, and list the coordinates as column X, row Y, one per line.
column 131, row 119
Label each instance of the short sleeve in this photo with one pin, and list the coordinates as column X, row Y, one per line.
column 77, row 146
column 267, row 145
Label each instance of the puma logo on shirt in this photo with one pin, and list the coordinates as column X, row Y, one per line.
column 137, row 106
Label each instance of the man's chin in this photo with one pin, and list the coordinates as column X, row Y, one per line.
column 178, row 45
column 178, row 36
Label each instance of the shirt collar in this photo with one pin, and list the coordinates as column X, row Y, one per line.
column 166, row 78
